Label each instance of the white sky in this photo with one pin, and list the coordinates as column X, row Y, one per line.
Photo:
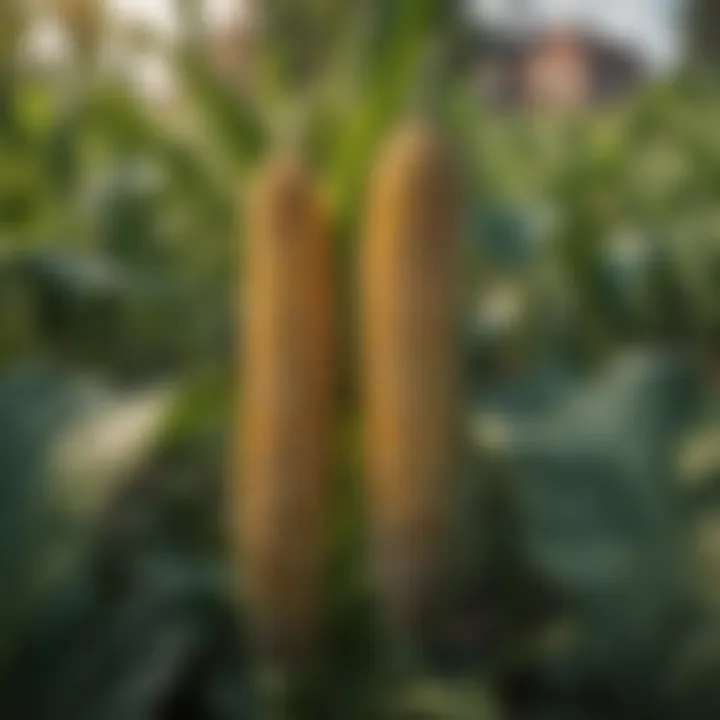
column 654, row 25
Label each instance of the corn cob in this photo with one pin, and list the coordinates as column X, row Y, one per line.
column 409, row 369
column 286, row 409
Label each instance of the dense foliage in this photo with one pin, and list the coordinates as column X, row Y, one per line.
column 587, row 545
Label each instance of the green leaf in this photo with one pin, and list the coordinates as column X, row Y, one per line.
column 598, row 496
column 66, row 445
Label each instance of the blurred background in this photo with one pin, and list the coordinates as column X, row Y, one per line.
column 588, row 534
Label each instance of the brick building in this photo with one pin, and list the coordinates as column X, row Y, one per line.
column 559, row 68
